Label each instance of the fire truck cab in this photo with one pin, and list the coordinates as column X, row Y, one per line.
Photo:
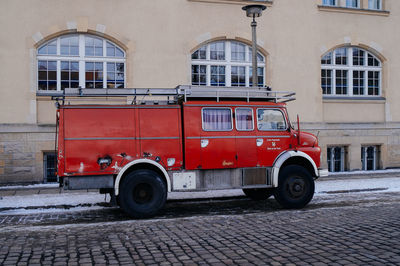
column 194, row 139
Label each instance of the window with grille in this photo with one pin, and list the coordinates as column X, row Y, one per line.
column 370, row 157
column 49, row 167
column 336, row 157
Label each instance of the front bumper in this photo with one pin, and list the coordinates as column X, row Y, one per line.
column 323, row 172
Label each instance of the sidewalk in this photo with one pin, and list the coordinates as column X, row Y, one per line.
column 53, row 188
column 50, row 188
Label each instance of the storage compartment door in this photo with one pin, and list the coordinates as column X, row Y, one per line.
column 92, row 133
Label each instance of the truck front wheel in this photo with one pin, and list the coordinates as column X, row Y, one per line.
column 258, row 193
column 296, row 187
column 142, row 193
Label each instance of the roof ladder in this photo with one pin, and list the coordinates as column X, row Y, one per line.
column 182, row 93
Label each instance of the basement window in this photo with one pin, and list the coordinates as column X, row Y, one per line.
column 370, row 157
column 49, row 167
column 336, row 158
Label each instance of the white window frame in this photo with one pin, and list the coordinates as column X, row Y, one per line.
column 358, row 6
column 81, row 58
column 375, row 5
column 326, row 2
column 350, row 68
column 228, row 63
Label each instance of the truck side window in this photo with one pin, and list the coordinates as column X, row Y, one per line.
column 270, row 119
column 244, row 119
column 217, row 119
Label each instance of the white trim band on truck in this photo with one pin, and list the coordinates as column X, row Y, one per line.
column 282, row 159
column 145, row 161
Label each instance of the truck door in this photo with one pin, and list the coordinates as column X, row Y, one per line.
column 160, row 134
column 273, row 135
column 246, row 137
column 217, row 142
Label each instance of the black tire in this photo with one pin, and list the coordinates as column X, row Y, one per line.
column 296, row 187
column 258, row 193
column 142, row 193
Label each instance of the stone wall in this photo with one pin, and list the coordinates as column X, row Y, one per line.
column 21, row 152
column 355, row 135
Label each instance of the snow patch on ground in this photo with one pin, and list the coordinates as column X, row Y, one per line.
column 51, row 199
column 49, row 210
column 35, row 186
column 386, row 171
column 391, row 183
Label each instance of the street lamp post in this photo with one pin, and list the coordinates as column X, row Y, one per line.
column 254, row 11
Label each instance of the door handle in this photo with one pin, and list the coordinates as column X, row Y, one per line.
column 259, row 142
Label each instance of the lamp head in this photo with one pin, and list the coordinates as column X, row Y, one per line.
column 254, row 10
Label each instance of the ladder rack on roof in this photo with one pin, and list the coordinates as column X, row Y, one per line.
column 184, row 93
column 243, row 93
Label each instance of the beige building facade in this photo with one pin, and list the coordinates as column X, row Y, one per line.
column 340, row 57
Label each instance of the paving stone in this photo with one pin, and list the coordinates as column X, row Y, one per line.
column 251, row 233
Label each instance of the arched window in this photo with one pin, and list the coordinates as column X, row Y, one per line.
column 226, row 63
column 351, row 71
column 80, row 60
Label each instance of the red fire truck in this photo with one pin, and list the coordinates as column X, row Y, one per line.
column 189, row 138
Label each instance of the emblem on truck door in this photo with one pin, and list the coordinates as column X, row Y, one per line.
column 204, row 143
column 259, row 142
column 273, row 144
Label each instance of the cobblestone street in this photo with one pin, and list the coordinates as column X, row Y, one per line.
column 358, row 229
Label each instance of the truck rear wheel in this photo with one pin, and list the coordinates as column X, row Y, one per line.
column 258, row 193
column 296, row 187
column 143, row 193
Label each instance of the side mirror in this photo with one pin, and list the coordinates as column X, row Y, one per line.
column 298, row 130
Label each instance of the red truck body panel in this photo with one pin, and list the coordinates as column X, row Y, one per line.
column 122, row 133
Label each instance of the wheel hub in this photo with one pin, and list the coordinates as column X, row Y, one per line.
column 296, row 187
column 142, row 193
